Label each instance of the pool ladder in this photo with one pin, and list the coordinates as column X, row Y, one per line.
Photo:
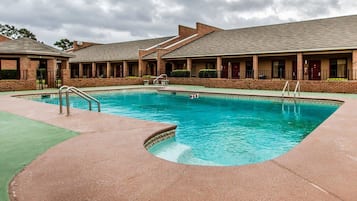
column 164, row 80
column 287, row 89
column 296, row 92
column 78, row 92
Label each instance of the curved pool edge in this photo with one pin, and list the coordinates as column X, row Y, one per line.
column 159, row 136
column 322, row 167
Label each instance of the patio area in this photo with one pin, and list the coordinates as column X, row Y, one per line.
column 108, row 161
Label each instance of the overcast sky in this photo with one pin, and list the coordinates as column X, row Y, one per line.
column 106, row 21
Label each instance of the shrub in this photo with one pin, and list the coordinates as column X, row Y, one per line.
column 180, row 73
column 207, row 73
column 8, row 74
column 146, row 77
column 337, row 79
column 40, row 81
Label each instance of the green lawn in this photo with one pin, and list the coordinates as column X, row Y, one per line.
column 21, row 141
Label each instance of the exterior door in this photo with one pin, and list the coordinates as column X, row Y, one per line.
column 235, row 70
column 249, row 69
column 42, row 74
column 224, row 73
column 294, row 72
column 168, row 69
column 152, row 69
column 315, row 70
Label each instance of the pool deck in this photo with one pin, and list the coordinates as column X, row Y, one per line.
column 109, row 162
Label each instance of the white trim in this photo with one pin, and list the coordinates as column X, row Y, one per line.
column 183, row 40
column 171, row 39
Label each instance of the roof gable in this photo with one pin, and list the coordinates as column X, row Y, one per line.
column 323, row 34
column 4, row 38
column 30, row 47
column 115, row 51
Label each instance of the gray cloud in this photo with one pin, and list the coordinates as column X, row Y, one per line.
column 312, row 8
column 112, row 20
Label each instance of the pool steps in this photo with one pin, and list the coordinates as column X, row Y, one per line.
column 173, row 151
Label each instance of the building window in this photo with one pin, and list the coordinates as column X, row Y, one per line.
column 338, row 68
column 278, row 69
column 210, row 65
column 180, row 66
column 101, row 70
column 117, row 70
column 74, row 70
column 131, row 70
column 249, row 69
column 87, row 70
column 9, row 69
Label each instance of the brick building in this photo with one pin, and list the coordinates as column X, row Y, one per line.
column 308, row 50
column 23, row 61
column 259, row 57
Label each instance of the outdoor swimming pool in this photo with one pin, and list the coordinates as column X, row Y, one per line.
column 217, row 130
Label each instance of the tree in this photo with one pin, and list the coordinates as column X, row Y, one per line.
column 27, row 34
column 64, row 44
column 14, row 33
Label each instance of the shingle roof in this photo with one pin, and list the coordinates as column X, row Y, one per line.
column 30, row 47
column 151, row 56
column 115, row 51
column 324, row 34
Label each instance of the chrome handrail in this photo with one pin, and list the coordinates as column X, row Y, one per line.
column 297, row 88
column 162, row 76
column 286, row 86
column 60, row 97
column 78, row 92
column 86, row 95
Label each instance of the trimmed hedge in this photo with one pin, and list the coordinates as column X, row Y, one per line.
column 180, row 73
column 337, row 79
column 146, row 76
column 207, row 73
column 8, row 74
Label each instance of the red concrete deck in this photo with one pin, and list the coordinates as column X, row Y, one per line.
column 109, row 162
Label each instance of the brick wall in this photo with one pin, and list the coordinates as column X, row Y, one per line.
column 17, row 85
column 98, row 82
column 205, row 29
column 8, row 64
column 80, row 45
column 306, row 85
column 186, row 31
column 4, row 38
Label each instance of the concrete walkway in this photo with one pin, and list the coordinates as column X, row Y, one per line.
column 109, row 162
column 21, row 141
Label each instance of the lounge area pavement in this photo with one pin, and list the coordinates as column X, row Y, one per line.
column 108, row 161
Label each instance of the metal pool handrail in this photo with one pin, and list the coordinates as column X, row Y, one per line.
column 78, row 92
column 60, row 97
column 286, row 86
column 297, row 88
column 162, row 76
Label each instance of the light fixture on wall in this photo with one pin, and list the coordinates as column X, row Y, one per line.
column 305, row 61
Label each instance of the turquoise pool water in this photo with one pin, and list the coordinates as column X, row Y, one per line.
column 217, row 130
